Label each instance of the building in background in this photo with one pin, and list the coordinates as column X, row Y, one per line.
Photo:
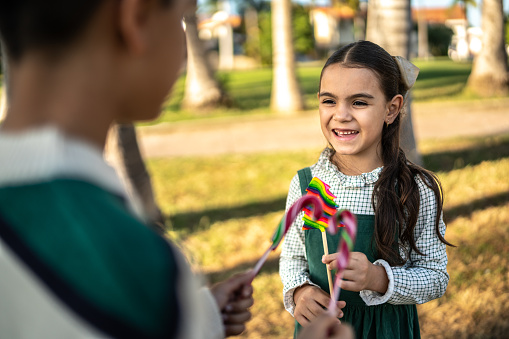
column 217, row 32
column 465, row 41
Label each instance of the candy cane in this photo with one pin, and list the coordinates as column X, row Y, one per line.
column 345, row 246
column 287, row 221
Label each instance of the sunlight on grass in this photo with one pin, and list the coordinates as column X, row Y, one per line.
column 223, row 211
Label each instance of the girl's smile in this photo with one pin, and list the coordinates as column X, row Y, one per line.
column 353, row 110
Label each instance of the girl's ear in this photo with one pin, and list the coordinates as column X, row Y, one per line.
column 393, row 108
column 133, row 19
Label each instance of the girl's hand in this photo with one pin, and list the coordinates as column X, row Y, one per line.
column 360, row 274
column 311, row 302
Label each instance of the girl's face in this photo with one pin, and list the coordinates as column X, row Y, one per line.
column 353, row 110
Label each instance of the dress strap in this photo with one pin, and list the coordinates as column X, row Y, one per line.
column 305, row 178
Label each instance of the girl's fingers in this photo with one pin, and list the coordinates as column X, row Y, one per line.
column 317, row 309
column 339, row 312
column 348, row 274
column 327, row 259
column 302, row 320
column 350, row 286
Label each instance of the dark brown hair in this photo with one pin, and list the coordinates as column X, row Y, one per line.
column 45, row 25
column 396, row 198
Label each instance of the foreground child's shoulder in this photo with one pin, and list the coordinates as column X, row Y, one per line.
column 125, row 270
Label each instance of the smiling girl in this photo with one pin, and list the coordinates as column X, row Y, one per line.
column 399, row 259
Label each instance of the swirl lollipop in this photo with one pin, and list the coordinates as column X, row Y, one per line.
column 321, row 190
column 287, row 221
column 345, row 246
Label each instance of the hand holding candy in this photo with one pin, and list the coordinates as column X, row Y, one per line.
column 345, row 246
column 287, row 221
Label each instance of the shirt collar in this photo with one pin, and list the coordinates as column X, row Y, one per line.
column 360, row 180
column 46, row 153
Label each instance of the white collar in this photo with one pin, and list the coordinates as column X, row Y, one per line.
column 45, row 153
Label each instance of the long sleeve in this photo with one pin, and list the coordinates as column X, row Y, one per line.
column 423, row 277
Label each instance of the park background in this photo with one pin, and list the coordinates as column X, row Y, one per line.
column 221, row 156
column 221, row 175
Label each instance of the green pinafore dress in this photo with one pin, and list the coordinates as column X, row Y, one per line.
column 379, row 321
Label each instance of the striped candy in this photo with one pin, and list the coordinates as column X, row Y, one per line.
column 286, row 222
column 345, row 246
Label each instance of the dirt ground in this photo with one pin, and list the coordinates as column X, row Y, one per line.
column 261, row 133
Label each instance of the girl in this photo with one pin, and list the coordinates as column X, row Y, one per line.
column 399, row 258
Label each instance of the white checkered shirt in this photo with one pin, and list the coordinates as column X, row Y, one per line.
column 422, row 278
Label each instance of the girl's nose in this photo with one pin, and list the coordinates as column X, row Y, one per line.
column 342, row 114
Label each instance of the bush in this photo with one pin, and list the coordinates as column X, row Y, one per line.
column 439, row 38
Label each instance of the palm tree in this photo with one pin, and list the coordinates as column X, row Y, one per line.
column 123, row 153
column 286, row 96
column 489, row 74
column 389, row 25
column 202, row 90
column 3, row 94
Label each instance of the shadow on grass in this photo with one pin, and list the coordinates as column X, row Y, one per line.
column 270, row 266
column 489, row 150
column 466, row 210
column 201, row 220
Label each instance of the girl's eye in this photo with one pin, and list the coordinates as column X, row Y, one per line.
column 359, row 103
column 328, row 102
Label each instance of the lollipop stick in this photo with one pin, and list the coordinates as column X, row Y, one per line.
column 260, row 262
column 335, row 294
column 326, row 252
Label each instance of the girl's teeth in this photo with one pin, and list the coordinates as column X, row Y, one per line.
column 345, row 133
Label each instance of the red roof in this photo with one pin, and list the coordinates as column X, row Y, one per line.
column 439, row 15
column 342, row 12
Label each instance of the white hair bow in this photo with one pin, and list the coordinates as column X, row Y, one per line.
column 408, row 71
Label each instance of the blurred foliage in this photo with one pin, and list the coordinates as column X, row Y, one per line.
column 507, row 29
column 302, row 35
column 265, row 22
column 439, row 39
column 352, row 3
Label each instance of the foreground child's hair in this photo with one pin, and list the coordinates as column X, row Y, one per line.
column 396, row 194
column 47, row 26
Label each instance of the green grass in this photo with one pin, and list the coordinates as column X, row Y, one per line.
column 223, row 210
column 439, row 79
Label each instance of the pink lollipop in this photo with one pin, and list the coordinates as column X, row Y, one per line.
column 287, row 221
column 345, row 246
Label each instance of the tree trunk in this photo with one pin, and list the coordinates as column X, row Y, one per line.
column 389, row 25
column 123, row 153
column 489, row 74
column 202, row 90
column 286, row 96
column 422, row 37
